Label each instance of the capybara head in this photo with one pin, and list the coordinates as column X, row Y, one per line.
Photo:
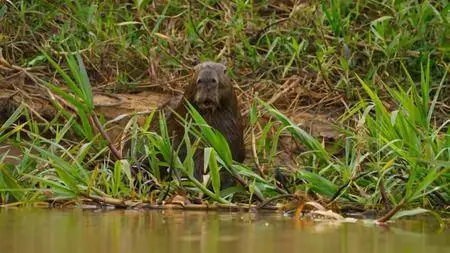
column 212, row 86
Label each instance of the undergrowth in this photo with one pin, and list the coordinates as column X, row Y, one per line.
column 382, row 65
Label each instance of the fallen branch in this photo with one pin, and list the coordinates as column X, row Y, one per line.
column 282, row 196
column 120, row 203
column 105, row 135
column 392, row 212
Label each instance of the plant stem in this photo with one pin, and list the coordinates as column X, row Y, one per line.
column 391, row 213
column 105, row 135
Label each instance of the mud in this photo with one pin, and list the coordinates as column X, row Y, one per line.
column 114, row 105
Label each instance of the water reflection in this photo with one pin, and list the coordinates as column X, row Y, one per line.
column 39, row 230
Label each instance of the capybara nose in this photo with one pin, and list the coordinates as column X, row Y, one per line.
column 206, row 103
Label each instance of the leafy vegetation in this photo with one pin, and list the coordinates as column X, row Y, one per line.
column 381, row 65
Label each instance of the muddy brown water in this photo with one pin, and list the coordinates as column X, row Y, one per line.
column 41, row 230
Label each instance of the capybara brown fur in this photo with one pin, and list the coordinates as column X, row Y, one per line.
column 212, row 94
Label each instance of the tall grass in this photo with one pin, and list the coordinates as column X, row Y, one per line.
column 386, row 61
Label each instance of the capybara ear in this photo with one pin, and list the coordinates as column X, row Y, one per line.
column 219, row 67
column 199, row 66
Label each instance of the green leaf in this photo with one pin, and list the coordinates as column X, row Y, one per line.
column 85, row 84
column 72, row 85
column 7, row 181
column 212, row 137
column 71, row 175
column 4, row 136
column 13, row 118
column 411, row 212
column 319, row 184
column 298, row 133
column 58, row 187
column 210, row 158
column 3, row 10
column 68, row 97
column 116, row 178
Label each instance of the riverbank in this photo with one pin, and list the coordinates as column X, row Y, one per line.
column 345, row 103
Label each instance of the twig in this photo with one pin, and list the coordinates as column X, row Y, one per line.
column 282, row 196
column 255, row 38
column 392, row 212
column 243, row 183
column 325, row 77
column 384, row 196
column 344, row 186
column 255, row 154
column 277, row 95
column 111, row 201
column 118, row 99
column 105, row 135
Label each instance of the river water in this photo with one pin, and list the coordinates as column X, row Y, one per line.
column 86, row 231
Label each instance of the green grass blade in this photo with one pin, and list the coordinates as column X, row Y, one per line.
column 211, row 160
